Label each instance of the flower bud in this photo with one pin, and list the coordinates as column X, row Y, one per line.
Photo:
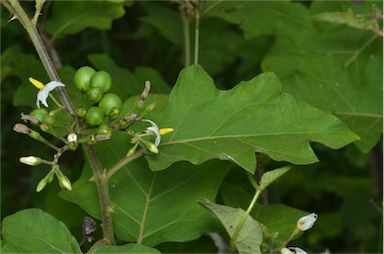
column 43, row 182
column 132, row 150
column 64, row 181
column 72, row 137
column 285, row 251
column 31, row 160
column 150, row 107
column 21, row 128
column 35, row 135
column 306, row 222
column 81, row 112
column 151, row 147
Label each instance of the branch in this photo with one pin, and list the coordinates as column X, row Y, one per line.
column 15, row 8
column 101, row 180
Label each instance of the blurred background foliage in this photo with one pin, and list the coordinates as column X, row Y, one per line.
column 135, row 40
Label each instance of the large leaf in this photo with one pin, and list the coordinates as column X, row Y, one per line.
column 73, row 16
column 34, row 231
column 154, row 206
column 250, row 236
column 130, row 248
column 261, row 17
column 314, row 67
column 232, row 125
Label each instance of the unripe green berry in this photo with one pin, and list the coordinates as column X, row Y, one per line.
column 83, row 77
column 102, row 80
column 94, row 95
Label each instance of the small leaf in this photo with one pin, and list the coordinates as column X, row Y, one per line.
column 34, row 231
column 272, row 175
column 73, row 16
column 130, row 248
column 250, row 236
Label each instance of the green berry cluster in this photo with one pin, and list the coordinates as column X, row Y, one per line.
column 96, row 84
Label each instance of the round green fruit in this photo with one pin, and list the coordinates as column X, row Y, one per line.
column 102, row 80
column 94, row 116
column 83, row 77
column 94, row 94
column 110, row 101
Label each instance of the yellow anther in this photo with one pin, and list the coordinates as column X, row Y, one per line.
column 37, row 83
column 164, row 131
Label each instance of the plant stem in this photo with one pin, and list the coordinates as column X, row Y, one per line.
column 187, row 43
column 100, row 175
column 101, row 180
column 244, row 218
column 124, row 161
column 197, row 24
column 15, row 8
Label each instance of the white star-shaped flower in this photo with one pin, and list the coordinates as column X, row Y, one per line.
column 155, row 130
column 42, row 95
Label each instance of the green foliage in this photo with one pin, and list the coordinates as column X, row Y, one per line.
column 74, row 16
column 226, row 132
column 335, row 73
column 250, row 236
column 34, row 231
column 140, row 196
column 128, row 248
column 322, row 88
column 261, row 17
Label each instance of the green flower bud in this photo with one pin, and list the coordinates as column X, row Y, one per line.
column 151, row 147
column 64, row 181
column 43, row 182
column 132, row 150
column 81, row 112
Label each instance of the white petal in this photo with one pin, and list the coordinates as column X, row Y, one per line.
column 155, row 130
column 297, row 250
column 306, row 222
column 42, row 95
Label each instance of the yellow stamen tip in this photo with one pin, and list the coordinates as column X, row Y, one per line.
column 164, row 131
column 37, row 83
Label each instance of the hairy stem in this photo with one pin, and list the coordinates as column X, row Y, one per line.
column 244, row 218
column 15, row 8
column 100, row 176
column 101, row 180
column 197, row 24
